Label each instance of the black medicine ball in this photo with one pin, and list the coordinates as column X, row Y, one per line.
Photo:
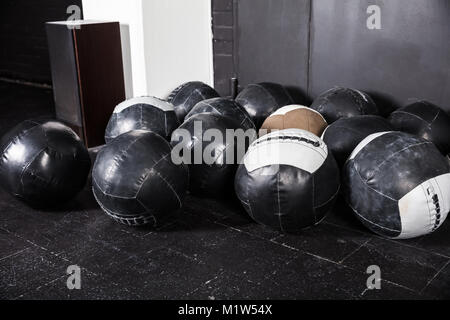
column 398, row 185
column 43, row 162
column 288, row 180
column 186, row 96
column 424, row 120
column 260, row 100
column 135, row 181
column 142, row 113
column 340, row 102
column 343, row 135
column 212, row 162
column 225, row 107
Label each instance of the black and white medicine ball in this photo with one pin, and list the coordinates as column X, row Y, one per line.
column 186, row 96
column 288, row 180
column 343, row 135
column 135, row 181
column 202, row 143
column 260, row 100
column 225, row 107
column 341, row 102
column 398, row 185
column 425, row 120
column 142, row 113
column 43, row 162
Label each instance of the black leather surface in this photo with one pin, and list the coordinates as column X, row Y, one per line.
column 339, row 102
column 135, row 181
column 425, row 120
column 383, row 172
column 216, row 179
column 141, row 117
column 287, row 198
column 225, row 107
column 262, row 99
column 187, row 95
column 43, row 162
column 345, row 134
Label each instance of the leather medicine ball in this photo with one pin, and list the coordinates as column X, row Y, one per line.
column 43, row 162
column 142, row 113
column 135, row 181
column 398, row 185
column 295, row 116
column 340, row 102
column 212, row 160
column 225, row 107
column 262, row 99
column 288, row 180
column 186, row 96
column 343, row 135
column 424, row 120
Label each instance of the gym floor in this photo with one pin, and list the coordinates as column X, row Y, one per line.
column 211, row 250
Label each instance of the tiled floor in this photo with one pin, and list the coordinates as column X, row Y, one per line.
column 210, row 250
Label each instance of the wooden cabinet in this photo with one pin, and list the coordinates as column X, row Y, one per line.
column 87, row 75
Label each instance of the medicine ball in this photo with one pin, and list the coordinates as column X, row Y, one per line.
column 262, row 99
column 43, row 162
column 398, row 185
column 295, row 116
column 340, row 102
column 186, row 96
column 425, row 120
column 343, row 135
column 288, row 180
column 135, row 181
column 224, row 107
column 202, row 143
column 142, row 113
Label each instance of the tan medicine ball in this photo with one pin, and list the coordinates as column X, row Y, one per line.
column 295, row 117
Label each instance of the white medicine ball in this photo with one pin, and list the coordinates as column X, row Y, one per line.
column 142, row 113
column 398, row 185
column 288, row 180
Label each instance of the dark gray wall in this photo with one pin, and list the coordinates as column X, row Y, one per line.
column 273, row 42
column 316, row 44
column 223, row 44
column 407, row 59
column 23, row 43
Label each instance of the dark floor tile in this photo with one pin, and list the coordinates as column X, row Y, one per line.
column 11, row 206
column 10, row 244
column 245, row 224
column 342, row 215
column 212, row 209
column 93, row 287
column 327, row 241
column 390, row 291
column 84, row 247
column 439, row 287
column 89, row 252
column 438, row 241
column 228, row 286
column 27, row 270
column 161, row 274
column 308, row 277
column 305, row 277
column 222, row 247
column 401, row 264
